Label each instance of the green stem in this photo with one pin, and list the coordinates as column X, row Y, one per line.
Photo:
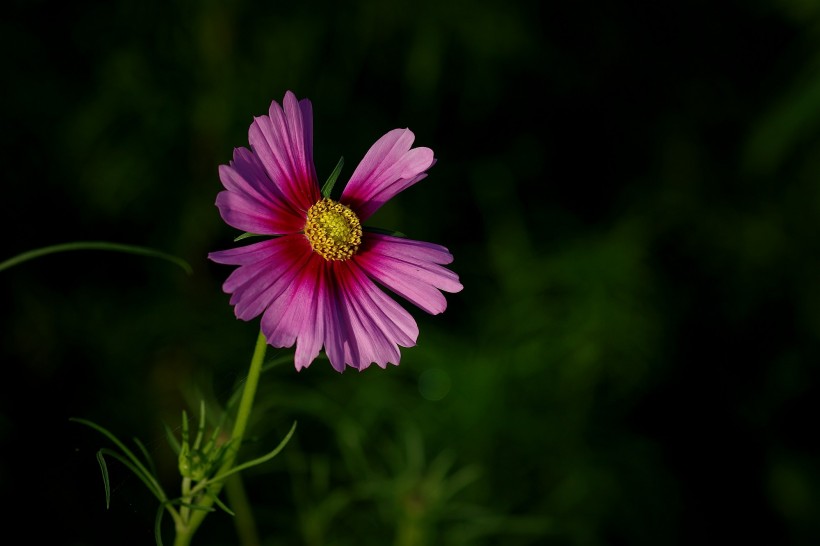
column 185, row 531
column 185, row 511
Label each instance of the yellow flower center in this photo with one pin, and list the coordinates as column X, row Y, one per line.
column 334, row 231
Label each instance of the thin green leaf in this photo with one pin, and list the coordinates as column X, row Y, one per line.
column 172, row 439
column 201, row 429
column 95, row 245
column 158, row 525
column 214, row 455
column 148, row 460
column 331, row 181
column 259, row 460
column 106, row 483
column 165, row 504
column 223, row 506
column 148, row 480
column 184, row 427
column 155, row 486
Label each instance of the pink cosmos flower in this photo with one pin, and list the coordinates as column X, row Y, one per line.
column 315, row 281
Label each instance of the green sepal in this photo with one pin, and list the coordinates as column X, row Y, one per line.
column 245, row 236
column 386, row 232
column 248, row 235
column 331, row 181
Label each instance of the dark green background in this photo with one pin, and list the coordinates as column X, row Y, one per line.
column 631, row 194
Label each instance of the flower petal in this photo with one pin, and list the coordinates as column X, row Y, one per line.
column 243, row 255
column 283, row 141
column 311, row 302
column 297, row 314
column 372, row 325
column 252, row 202
column 266, row 270
column 312, row 333
column 389, row 167
column 409, row 268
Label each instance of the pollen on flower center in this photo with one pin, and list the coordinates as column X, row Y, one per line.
column 334, row 231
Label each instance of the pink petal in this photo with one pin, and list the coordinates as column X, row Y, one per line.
column 244, row 213
column 336, row 326
column 266, row 270
column 389, row 167
column 374, row 324
column 252, row 201
column 243, row 255
column 409, row 268
column 335, row 305
column 295, row 315
column 312, row 332
column 308, row 301
column 283, row 141
column 257, row 285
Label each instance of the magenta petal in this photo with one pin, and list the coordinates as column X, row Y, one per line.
column 372, row 326
column 291, row 317
column 252, row 201
column 311, row 334
column 337, row 325
column 281, row 320
column 310, row 313
column 257, row 285
column 244, row 254
column 313, row 303
column 283, row 141
column 247, row 215
column 389, row 167
column 266, row 270
column 410, row 268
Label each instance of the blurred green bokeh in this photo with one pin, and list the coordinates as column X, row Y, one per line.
column 631, row 194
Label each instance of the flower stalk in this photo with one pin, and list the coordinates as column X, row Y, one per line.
column 198, row 508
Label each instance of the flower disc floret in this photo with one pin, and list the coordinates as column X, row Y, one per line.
column 334, row 231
